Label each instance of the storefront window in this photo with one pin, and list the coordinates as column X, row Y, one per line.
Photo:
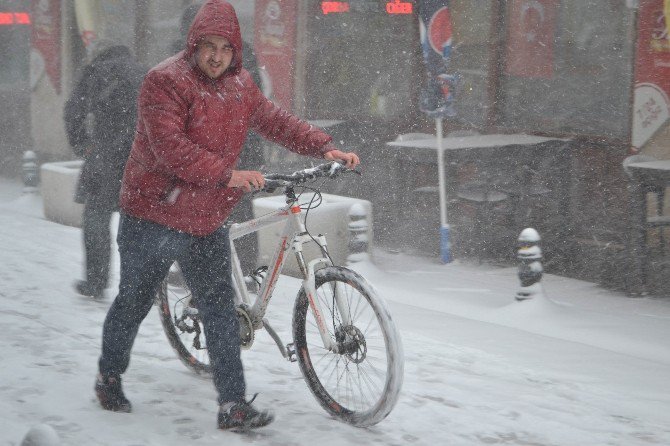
column 362, row 61
column 119, row 21
column 471, row 59
column 567, row 67
column 14, row 52
column 111, row 21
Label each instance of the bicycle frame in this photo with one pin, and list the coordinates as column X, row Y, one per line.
column 356, row 371
column 293, row 236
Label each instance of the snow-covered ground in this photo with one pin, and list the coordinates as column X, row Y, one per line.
column 584, row 367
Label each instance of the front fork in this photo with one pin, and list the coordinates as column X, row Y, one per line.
column 309, row 285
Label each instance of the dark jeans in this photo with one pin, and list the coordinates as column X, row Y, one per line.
column 147, row 250
column 97, row 244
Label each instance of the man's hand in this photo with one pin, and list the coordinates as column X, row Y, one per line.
column 249, row 180
column 350, row 159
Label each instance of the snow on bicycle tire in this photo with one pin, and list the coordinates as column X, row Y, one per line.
column 359, row 384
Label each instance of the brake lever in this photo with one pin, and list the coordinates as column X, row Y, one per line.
column 338, row 168
column 334, row 169
column 271, row 185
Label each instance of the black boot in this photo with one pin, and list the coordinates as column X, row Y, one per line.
column 110, row 394
column 241, row 416
column 85, row 289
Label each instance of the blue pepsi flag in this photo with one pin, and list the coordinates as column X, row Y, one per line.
column 437, row 95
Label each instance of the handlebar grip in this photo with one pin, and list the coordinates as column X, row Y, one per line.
column 271, row 185
column 330, row 170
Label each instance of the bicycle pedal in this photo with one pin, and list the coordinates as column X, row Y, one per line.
column 290, row 352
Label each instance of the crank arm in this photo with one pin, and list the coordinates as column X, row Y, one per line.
column 285, row 351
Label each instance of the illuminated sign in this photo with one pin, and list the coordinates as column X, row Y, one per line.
column 14, row 18
column 395, row 7
column 331, row 7
column 398, row 7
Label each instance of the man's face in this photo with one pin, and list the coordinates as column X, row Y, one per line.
column 214, row 55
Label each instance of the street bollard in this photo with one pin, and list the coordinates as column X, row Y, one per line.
column 530, row 269
column 358, row 233
column 41, row 435
column 29, row 171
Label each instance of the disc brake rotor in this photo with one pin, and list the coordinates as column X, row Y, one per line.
column 351, row 343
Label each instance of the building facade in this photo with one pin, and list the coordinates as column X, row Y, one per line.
column 589, row 71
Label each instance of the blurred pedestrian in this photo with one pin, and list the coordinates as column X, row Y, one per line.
column 180, row 184
column 251, row 157
column 100, row 117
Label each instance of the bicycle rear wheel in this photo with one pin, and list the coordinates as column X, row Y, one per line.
column 360, row 384
column 181, row 322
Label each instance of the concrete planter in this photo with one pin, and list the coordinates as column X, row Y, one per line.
column 58, row 185
column 330, row 218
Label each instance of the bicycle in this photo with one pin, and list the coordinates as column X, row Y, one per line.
column 347, row 346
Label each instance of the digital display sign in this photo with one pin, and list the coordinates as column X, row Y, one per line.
column 14, row 18
column 333, row 7
column 399, row 7
column 362, row 59
column 390, row 7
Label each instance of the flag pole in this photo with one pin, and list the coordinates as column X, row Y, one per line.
column 445, row 242
column 437, row 97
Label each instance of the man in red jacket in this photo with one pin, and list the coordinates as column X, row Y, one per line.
column 179, row 186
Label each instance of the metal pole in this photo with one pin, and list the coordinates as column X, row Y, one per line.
column 445, row 243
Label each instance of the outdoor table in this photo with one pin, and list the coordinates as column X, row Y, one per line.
column 486, row 149
column 426, row 148
column 647, row 173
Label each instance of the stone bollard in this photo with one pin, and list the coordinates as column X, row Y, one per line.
column 530, row 270
column 41, row 435
column 29, row 171
column 358, row 233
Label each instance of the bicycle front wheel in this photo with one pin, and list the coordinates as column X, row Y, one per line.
column 181, row 322
column 360, row 383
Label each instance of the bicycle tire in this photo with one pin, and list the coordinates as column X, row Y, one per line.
column 170, row 293
column 365, row 308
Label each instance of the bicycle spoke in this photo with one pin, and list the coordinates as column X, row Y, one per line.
column 330, row 357
column 370, row 322
column 353, row 376
column 182, row 325
column 358, row 382
column 361, row 381
column 327, row 303
column 312, row 324
column 364, row 374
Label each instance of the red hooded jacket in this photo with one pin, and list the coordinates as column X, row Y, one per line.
column 191, row 129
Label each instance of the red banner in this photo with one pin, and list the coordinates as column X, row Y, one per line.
column 653, row 47
column 530, row 43
column 275, row 46
column 46, row 37
column 652, row 72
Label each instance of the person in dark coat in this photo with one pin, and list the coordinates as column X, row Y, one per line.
column 100, row 117
column 180, row 184
column 251, row 157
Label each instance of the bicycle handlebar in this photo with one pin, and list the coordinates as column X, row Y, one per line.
column 275, row 181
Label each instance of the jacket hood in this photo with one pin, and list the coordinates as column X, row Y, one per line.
column 218, row 18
